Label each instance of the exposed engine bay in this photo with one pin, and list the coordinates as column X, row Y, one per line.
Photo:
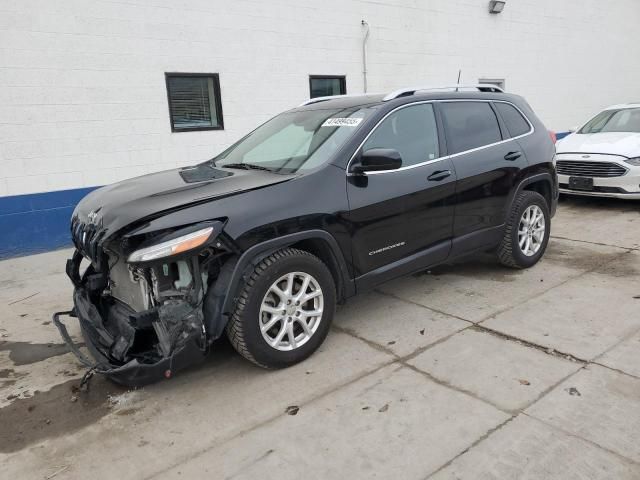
column 143, row 318
column 164, row 300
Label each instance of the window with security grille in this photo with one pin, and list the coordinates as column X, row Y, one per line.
column 194, row 101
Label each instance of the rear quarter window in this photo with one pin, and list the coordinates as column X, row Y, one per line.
column 470, row 125
column 516, row 124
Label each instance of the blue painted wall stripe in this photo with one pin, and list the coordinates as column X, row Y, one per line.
column 37, row 222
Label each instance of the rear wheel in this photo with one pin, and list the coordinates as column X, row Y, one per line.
column 284, row 310
column 527, row 231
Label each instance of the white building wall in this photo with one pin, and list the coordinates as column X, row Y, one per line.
column 82, row 90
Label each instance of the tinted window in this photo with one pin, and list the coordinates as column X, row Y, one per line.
column 516, row 123
column 194, row 102
column 325, row 85
column 411, row 131
column 470, row 125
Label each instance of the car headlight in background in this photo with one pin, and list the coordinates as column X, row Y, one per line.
column 633, row 161
column 174, row 246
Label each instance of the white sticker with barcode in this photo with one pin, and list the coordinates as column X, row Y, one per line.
column 342, row 122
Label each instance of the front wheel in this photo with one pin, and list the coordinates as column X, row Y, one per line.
column 284, row 310
column 527, row 231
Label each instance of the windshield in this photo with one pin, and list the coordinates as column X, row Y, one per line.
column 624, row 120
column 294, row 141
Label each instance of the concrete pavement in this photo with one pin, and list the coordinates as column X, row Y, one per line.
column 465, row 371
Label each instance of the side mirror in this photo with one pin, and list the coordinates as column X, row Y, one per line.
column 378, row 159
column 573, row 129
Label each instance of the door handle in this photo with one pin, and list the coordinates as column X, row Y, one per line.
column 439, row 175
column 511, row 156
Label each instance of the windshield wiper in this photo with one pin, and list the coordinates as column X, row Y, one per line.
column 246, row 166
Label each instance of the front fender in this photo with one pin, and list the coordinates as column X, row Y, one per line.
column 221, row 298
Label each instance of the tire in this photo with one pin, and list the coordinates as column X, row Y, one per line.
column 510, row 253
column 244, row 329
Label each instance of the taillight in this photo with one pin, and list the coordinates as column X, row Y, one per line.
column 553, row 136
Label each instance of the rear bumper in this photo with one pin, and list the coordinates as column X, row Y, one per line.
column 105, row 343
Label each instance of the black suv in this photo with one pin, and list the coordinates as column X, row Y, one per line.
column 325, row 200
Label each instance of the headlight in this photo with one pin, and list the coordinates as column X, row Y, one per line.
column 172, row 247
column 634, row 161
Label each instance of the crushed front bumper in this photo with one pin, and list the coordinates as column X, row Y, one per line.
column 104, row 346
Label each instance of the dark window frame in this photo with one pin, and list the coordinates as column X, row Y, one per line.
column 217, row 98
column 341, row 78
column 506, row 131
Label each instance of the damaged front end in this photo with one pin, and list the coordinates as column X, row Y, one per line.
column 140, row 302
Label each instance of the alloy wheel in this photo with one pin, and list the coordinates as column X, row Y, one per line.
column 291, row 311
column 531, row 230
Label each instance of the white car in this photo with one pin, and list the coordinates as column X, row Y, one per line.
column 602, row 158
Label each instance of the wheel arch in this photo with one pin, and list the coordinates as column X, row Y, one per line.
column 541, row 183
column 222, row 295
column 543, row 187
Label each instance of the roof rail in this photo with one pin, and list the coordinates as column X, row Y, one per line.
column 403, row 92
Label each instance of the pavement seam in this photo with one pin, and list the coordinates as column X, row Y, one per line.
column 402, row 361
column 581, row 363
column 486, row 435
column 564, row 282
column 506, row 309
column 267, row 421
column 594, row 243
column 248, row 465
column 441, row 312
column 476, row 326
column 521, row 411
column 527, row 343
column 624, row 339
column 591, row 442
column 617, row 370
column 548, row 390
column 472, row 326
column 371, row 343
column 580, row 366
column 420, row 350
column 23, row 299
column 455, row 388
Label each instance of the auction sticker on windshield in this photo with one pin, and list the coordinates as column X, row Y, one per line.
column 342, row 122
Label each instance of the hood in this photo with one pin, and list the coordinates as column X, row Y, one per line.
column 115, row 206
column 626, row 144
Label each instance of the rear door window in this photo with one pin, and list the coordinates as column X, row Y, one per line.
column 513, row 119
column 469, row 125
